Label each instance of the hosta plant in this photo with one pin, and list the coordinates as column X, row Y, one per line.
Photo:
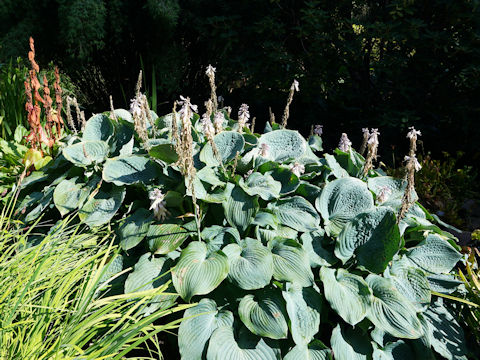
column 290, row 253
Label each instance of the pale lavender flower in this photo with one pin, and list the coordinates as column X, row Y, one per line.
column 210, row 70
column 373, row 138
column 413, row 133
column 318, row 130
column 295, row 86
column 297, row 169
column 365, row 130
column 345, row 144
column 383, row 194
column 136, row 106
column 158, row 204
column 218, row 121
column 207, row 125
column 187, row 106
column 413, row 158
column 264, row 150
column 248, row 173
column 220, row 98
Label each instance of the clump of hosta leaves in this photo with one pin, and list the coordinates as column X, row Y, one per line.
column 297, row 256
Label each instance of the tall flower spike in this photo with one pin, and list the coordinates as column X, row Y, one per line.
column 372, row 145
column 345, row 144
column 366, row 135
column 210, row 72
column 286, row 112
column 243, row 117
column 218, row 122
column 411, row 166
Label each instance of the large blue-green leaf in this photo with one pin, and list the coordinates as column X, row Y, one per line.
column 263, row 313
column 398, row 350
column 123, row 114
column 163, row 150
column 86, row 152
column 445, row 334
column 348, row 294
column 126, row 170
column 391, row 311
column 387, row 189
column 70, row 195
column 316, row 350
column 283, row 145
column 150, row 273
column 412, row 282
column 134, row 228
column 198, row 325
column 372, row 232
column 98, row 210
column 350, row 344
column 337, row 170
column 164, row 238
column 228, row 143
column 261, row 184
column 226, row 343
column 319, row 251
column 251, row 264
column 297, row 213
column 197, row 272
column 435, row 255
column 286, row 177
column 98, row 127
column 341, row 200
column 290, row 262
column 240, row 208
column 304, row 306
column 217, row 236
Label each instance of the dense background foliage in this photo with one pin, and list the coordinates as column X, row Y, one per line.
column 360, row 63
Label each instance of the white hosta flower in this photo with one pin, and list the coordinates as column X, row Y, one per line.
column 295, row 86
column 413, row 133
column 243, row 116
column 218, row 121
column 365, row 130
column 187, row 107
column 345, row 144
column 264, row 150
column 383, row 194
column 158, row 204
column 136, row 106
column 416, row 164
column 297, row 169
column 373, row 138
column 210, row 70
column 207, row 126
column 318, row 130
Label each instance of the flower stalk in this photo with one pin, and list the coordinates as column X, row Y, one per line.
column 286, row 112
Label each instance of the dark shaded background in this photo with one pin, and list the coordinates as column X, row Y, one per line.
column 385, row 64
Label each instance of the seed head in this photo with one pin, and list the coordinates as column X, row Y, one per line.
column 412, row 160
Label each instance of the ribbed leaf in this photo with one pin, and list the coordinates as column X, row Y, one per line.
column 226, row 345
column 435, row 255
column 251, row 264
column 69, row 195
column 387, row 188
column 297, row 213
column 132, row 169
column 319, row 251
column 134, row 228
column 263, row 313
column 198, row 273
column 314, row 351
column 283, row 145
column 150, row 273
column 342, row 200
column 347, row 294
column 391, row 311
column 398, row 350
column 99, row 209
column 286, row 178
column 240, row 208
column 164, row 238
column 303, row 307
column 98, row 127
column 217, row 236
column 263, row 185
column 199, row 324
column 350, row 344
column 86, row 152
column 371, row 232
column 163, row 150
column 411, row 282
column 291, row 262
column 228, row 143
column 445, row 334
